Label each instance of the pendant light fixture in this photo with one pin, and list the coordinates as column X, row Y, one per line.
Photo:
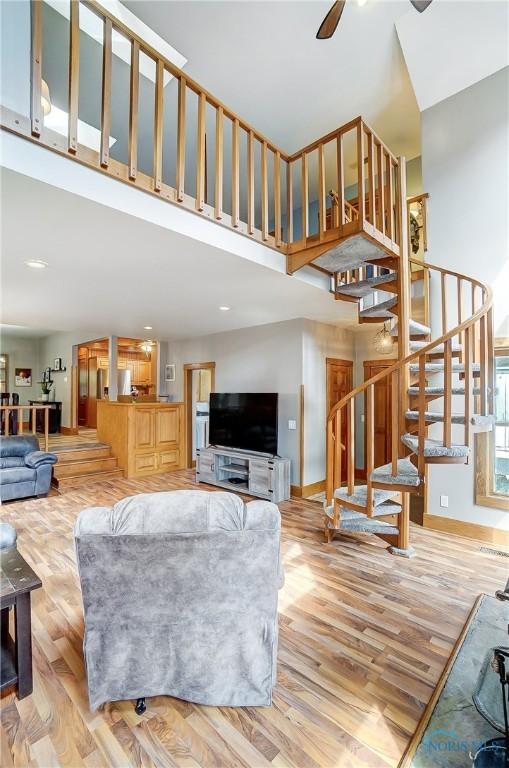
column 383, row 341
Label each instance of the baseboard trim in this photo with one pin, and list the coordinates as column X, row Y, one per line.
column 304, row 491
column 467, row 530
column 69, row 431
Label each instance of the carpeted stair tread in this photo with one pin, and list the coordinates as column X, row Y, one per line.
column 440, row 367
column 382, row 310
column 350, row 520
column 414, row 328
column 360, row 495
column 441, row 391
column 435, row 447
column 417, row 344
column 456, row 418
column 350, row 254
column 407, row 474
column 365, row 287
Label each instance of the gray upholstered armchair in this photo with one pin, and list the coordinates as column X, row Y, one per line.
column 180, row 598
column 24, row 469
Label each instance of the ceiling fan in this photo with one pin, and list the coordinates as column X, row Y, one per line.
column 331, row 21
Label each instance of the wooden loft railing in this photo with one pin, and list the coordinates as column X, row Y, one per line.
column 265, row 188
column 19, row 411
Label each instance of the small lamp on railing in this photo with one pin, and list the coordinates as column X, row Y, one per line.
column 45, row 98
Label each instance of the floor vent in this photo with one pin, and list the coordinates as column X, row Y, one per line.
column 490, row 551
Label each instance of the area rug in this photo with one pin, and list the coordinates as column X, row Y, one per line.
column 451, row 730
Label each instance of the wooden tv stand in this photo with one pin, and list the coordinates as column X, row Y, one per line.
column 241, row 472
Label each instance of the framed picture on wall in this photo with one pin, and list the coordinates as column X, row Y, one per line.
column 57, row 364
column 169, row 372
column 23, row 377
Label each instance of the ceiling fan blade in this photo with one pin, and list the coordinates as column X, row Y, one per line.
column 331, row 21
column 420, row 5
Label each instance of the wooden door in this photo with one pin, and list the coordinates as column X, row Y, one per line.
column 339, row 384
column 92, row 393
column 383, row 411
column 82, row 389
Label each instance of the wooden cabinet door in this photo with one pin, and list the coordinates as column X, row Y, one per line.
column 205, row 467
column 339, row 384
column 383, row 411
column 143, row 371
column 144, row 428
column 167, row 427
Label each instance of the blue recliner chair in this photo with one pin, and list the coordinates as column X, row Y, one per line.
column 24, row 469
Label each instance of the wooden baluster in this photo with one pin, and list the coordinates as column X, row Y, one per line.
column 467, row 361
column 321, row 193
column 341, row 181
column 218, row 184
column 483, row 364
column 351, row 445
column 380, row 174
column 106, row 95
column 200, row 153
column 265, row 196
column 7, row 421
column 370, row 446
column 390, row 196
column 36, row 116
column 360, row 173
column 396, row 430
column 304, row 196
column 444, row 302
column 46, row 428
column 158, row 129
column 250, row 184
column 448, row 392
column 134, row 88
column 460, row 313
column 491, row 362
column 235, row 173
column 426, row 282
column 289, row 203
column 34, row 421
column 421, row 435
column 74, row 74
column 404, row 522
column 181, row 140
column 371, row 177
column 277, row 197
column 338, row 452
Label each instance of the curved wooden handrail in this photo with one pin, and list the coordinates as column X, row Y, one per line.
column 483, row 310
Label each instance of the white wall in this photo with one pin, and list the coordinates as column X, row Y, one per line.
column 465, row 161
column 22, row 353
column 320, row 341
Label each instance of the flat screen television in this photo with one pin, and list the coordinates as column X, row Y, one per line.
column 244, row 420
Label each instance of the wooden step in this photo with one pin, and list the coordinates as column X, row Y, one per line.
column 415, row 329
column 406, row 478
column 363, row 288
column 440, row 391
column 86, row 479
column 359, row 522
column 436, row 352
column 380, row 311
column 84, row 467
column 358, row 499
column 431, row 368
column 435, row 452
column 98, row 451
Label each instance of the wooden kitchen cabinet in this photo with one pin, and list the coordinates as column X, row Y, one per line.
column 146, row 438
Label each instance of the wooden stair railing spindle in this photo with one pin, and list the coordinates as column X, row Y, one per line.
column 468, row 380
column 304, row 196
column 491, row 361
column 46, row 428
column 74, row 75
column 134, row 87
column 443, row 294
column 360, row 172
column 289, row 203
column 200, row 153
column 370, row 446
column 448, row 393
column 338, row 453
column 321, row 193
column 218, row 181
column 158, row 129
column 396, row 427
column 341, row 211
column 277, row 198
column 181, row 140
column 34, row 420
column 484, row 365
column 235, row 173
column 350, row 447
column 265, row 193
column 106, row 94
column 371, row 177
column 422, row 410
column 250, row 184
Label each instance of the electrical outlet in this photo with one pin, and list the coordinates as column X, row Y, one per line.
column 292, row 424
column 444, row 501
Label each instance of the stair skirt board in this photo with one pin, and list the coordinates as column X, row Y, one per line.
column 352, row 253
column 365, row 287
column 435, row 448
column 406, row 475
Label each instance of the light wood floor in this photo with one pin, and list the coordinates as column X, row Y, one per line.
column 363, row 639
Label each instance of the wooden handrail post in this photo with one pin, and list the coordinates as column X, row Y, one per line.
column 360, row 173
column 404, row 301
column 106, row 94
column 134, row 86
column 74, row 75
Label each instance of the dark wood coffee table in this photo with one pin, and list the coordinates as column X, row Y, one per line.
column 17, row 580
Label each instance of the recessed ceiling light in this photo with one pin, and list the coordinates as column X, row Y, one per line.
column 225, row 309
column 361, row 2
column 147, row 327
column 36, row 263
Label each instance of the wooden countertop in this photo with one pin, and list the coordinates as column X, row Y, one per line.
column 138, row 405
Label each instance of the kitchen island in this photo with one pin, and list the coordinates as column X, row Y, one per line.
column 146, row 438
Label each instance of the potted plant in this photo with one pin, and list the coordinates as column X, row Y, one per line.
column 45, row 389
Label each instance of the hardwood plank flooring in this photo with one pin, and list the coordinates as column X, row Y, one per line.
column 363, row 639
